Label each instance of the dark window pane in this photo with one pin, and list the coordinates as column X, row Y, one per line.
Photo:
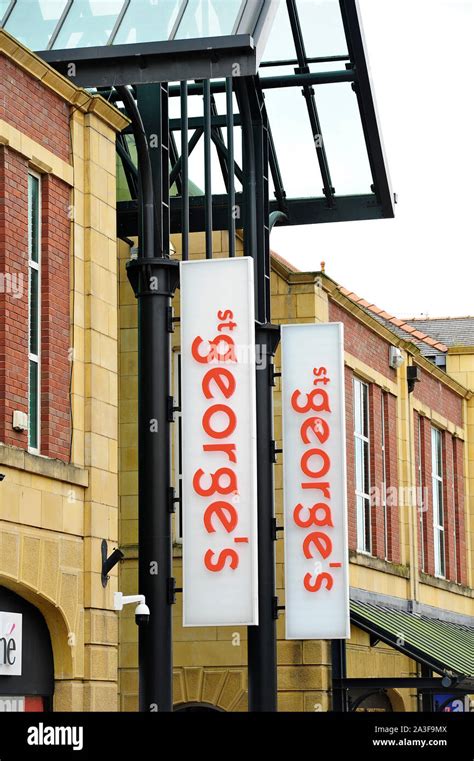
column 442, row 570
column 366, row 468
column 367, row 525
column 34, row 310
column 33, row 217
column 33, row 406
column 359, row 463
column 440, row 515
column 365, row 409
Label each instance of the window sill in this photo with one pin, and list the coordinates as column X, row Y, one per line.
column 14, row 457
column 446, row 584
column 377, row 564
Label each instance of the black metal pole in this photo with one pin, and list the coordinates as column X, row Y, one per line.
column 207, row 167
column 230, row 147
column 427, row 698
column 339, row 672
column 262, row 655
column 154, row 278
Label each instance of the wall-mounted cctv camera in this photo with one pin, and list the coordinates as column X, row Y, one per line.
column 142, row 611
column 142, row 614
column 396, row 359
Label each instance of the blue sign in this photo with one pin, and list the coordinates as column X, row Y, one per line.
column 451, row 703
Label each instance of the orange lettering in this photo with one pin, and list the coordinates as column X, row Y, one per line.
column 322, row 544
column 224, row 512
column 223, row 379
column 207, row 418
column 221, row 560
column 316, row 585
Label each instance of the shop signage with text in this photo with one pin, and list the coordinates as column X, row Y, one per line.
column 219, row 473
column 314, row 482
column 10, row 643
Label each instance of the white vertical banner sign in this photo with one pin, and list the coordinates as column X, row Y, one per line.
column 219, row 467
column 314, row 482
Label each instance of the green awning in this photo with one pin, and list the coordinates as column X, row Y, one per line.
column 445, row 647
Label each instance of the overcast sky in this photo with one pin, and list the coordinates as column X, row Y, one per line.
column 422, row 262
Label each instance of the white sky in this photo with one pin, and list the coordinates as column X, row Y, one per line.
column 422, row 262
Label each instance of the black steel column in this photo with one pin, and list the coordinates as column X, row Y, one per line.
column 154, row 278
column 262, row 655
column 427, row 698
column 339, row 672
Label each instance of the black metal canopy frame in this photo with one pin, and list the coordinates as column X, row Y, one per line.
column 132, row 77
column 376, row 203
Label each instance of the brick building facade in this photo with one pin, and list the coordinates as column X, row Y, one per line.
column 58, row 383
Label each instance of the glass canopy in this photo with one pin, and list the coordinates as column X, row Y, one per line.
column 326, row 153
column 128, row 42
column 66, row 24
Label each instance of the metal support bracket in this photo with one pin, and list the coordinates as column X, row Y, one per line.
column 275, row 452
column 170, row 319
column 171, row 591
column 276, row 608
column 170, row 409
column 273, row 375
column 276, row 529
column 153, row 276
column 173, row 500
column 108, row 562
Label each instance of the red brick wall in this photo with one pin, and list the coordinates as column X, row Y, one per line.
column 361, row 342
column 13, row 311
column 55, row 331
column 43, row 116
column 439, row 398
column 34, row 110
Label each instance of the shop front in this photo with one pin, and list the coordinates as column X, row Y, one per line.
column 26, row 656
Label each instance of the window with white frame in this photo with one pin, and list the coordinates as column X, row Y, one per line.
column 420, row 502
column 384, row 476
column 34, row 309
column 438, row 510
column 362, row 465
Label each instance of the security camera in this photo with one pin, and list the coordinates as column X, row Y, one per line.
column 142, row 611
column 142, row 614
column 2, row 476
column 396, row 359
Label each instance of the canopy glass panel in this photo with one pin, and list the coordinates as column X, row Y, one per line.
column 66, row 24
column 34, row 22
